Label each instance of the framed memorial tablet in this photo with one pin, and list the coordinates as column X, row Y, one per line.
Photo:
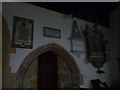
column 22, row 35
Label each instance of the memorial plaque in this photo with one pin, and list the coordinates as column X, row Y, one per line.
column 22, row 36
column 51, row 32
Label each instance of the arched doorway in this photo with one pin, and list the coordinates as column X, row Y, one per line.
column 47, row 70
column 60, row 53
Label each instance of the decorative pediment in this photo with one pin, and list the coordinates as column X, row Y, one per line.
column 75, row 31
column 75, row 38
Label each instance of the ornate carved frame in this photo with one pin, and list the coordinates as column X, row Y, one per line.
column 95, row 45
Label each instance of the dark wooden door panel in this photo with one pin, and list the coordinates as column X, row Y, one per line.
column 47, row 70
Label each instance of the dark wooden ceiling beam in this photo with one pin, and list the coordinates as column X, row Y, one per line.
column 96, row 12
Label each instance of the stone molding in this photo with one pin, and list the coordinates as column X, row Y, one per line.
column 59, row 51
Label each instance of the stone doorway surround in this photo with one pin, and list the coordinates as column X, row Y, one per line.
column 61, row 52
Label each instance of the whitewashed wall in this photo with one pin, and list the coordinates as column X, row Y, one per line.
column 43, row 17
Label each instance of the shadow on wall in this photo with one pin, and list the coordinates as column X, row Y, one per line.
column 8, row 77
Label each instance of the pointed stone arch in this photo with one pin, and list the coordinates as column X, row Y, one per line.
column 61, row 52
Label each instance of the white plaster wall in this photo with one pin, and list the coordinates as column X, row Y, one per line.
column 43, row 17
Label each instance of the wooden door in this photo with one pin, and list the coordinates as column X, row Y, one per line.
column 47, row 70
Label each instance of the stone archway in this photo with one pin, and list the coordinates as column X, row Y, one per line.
column 61, row 52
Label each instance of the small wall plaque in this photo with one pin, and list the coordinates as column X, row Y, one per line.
column 51, row 32
column 22, row 36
